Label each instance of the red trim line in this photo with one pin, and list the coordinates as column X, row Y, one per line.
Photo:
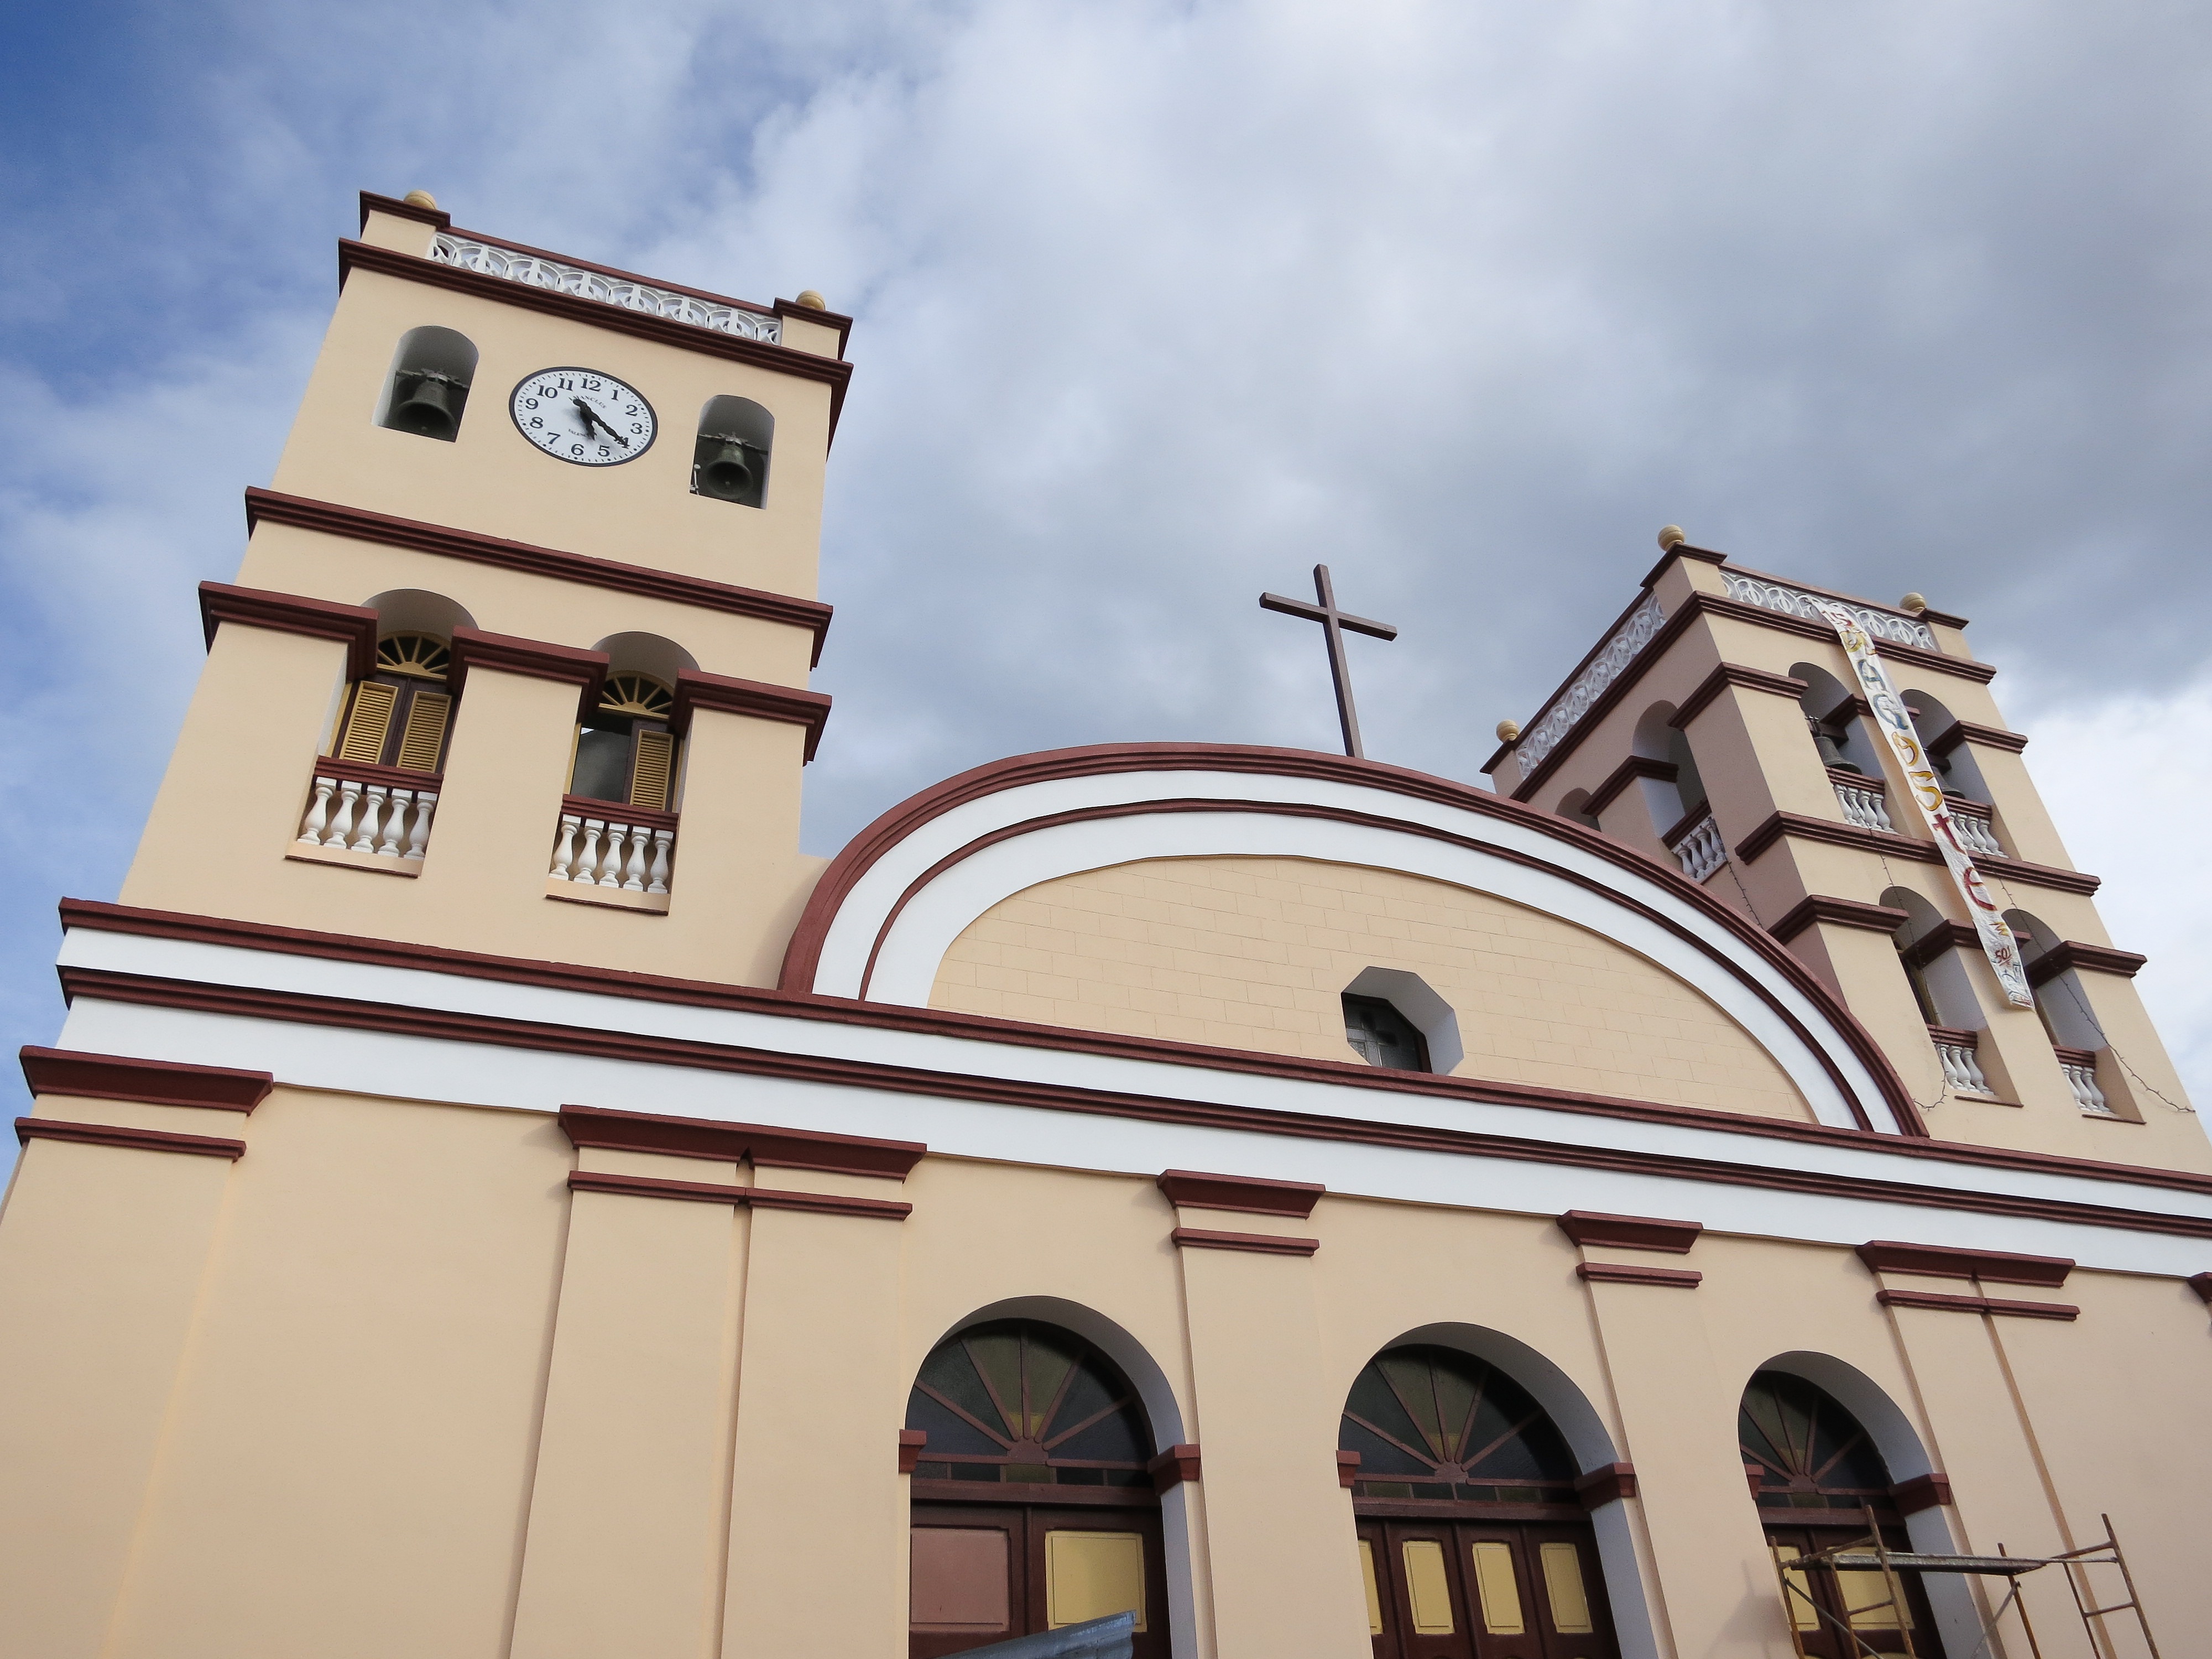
column 1736, row 674
column 1799, row 826
column 1173, row 1466
column 149, row 1082
column 1977, row 1304
column 803, row 956
column 340, row 947
column 371, row 202
column 1604, row 1485
column 2097, row 958
column 1205, row 1238
column 535, row 659
column 1842, row 912
column 822, row 318
column 724, row 694
column 755, row 1197
column 1942, row 1261
column 734, row 1143
column 28, row 1129
column 1630, row 1232
column 1617, row 781
column 1985, row 737
column 329, row 518
column 1186, row 1189
column 353, row 626
column 1617, row 1272
column 832, row 372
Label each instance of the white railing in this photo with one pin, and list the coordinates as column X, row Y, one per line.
column 1619, row 650
column 2080, row 1066
column 536, row 270
column 1862, row 801
column 1699, row 850
column 606, row 852
column 382, row 820
column 1794, row 601
column 1961, row 1070
column 1973, row 830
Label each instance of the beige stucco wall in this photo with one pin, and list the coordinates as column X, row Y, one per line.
column 385, row 1381
column 1256, row 953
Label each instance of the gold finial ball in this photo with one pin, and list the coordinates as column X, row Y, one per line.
column 812, row 299
column 1671, row 537
column 1509, row 731
column 1913, row 602
column 421, row 199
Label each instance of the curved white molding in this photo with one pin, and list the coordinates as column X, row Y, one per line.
column 1560, row 878
column 1791, row 602
column 535, row 270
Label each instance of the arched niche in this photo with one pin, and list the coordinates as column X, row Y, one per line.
column 1574, row 806
column 647, row 654
column 627, row 751
column 730, row 458
column 1102, row 1333
column 427, row 391
column 1961, row 772
column 413, row 610
column 1832, row 720
column 1674, row 795
column 1939, row 979
column 1589, row 1441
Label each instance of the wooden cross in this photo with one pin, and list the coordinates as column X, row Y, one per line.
column 1332, row 623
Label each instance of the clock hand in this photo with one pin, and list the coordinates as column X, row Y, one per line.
column 591, row 417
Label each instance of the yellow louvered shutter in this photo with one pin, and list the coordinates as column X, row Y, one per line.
column 367, row 721
column 425, row 731
column 648, row 783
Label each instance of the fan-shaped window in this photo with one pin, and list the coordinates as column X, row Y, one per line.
column 1436, row 1424
column 625, row 752
column 398, row 717
column 1469, row 1530
column 1810, row 1453
column 1029, row 1403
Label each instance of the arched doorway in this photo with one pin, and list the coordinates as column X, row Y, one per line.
column 1472, row 1540
column 1816, row 1475
column 1033, row 1506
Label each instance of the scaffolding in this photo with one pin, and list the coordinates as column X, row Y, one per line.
column 1871, row 1554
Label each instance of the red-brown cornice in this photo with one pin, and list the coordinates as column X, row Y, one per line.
column 28, row 1129
column 832, row 372
column 1842, row 912
column 149, row 1082
column 709, row 1139
column 1803, row 827
column 721, row 692
column 1985, row 737
column 534, row 660
column 1188, row 1189
column 2096, row 958
column 1736, row 674
column 1630, row 1232
column 1891, row 1255
column 330, row 519
column 399, row 207
column 353, row 626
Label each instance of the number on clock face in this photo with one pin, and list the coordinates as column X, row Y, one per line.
column 583, row 416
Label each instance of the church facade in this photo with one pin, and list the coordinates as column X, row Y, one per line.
column 493, row 1197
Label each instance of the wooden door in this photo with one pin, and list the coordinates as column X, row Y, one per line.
column 1856, row 1598
column 1460, row 1588
column 987, row 1572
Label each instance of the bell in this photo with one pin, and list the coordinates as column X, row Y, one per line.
column 428, row 405
column 727, row 472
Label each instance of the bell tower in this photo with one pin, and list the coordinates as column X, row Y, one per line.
column 1721, row 728
column 516, row 660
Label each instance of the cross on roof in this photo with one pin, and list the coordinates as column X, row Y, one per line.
column 1333, row 624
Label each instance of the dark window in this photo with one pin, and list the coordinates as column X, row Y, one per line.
column 1383, row 1036
column 428, row 387
column 729, row 462
column 1028, row 1402
column 1437, row 1424
column 400, row 715
column 625, row 753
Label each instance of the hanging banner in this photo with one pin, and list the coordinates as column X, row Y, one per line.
column 1895, row 721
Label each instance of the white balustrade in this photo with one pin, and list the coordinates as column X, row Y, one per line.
column 1565, row 712
column 374, row 819
column 606, row 852
column 536, row 270
column 1779, row 597
column 2081, row 1077
column 1699, row 851
column 1961, row 1070
column 1973, row 830
column 1861, row 803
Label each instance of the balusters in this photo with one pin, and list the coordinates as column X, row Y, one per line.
column 388, row 846
column 612, row 868
column 342, row 826
column 564, row 855
column 1699, row 851
column 1861, row 802
column 351, row 815
column 426, row 802
column 662, row 841
column 318, row 811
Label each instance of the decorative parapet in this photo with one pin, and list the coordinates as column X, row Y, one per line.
column 1614, row 655
column 536, row 270
column 1794, row 601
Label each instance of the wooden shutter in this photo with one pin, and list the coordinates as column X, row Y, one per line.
column 425, row 732
column 367, row 721
column 651, row 775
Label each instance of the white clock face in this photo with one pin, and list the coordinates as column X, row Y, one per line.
column 583, row 416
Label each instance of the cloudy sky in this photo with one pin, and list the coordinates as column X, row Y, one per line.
column 1160, row 304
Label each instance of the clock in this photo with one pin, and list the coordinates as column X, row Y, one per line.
column 583, row 416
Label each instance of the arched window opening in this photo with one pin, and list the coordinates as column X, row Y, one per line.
column 1668, row 794
column 1470, row 1530
column 1575, row 806
column 1833, row 712
column 730, row 460
column 428, row 388
column 400, row 715
column 1927, row 955
column 625, row 752
column 1953, row 762
column 1033, row 1505
column 1818, row 1479
column 1394, row 1019
column 2077, row 1038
